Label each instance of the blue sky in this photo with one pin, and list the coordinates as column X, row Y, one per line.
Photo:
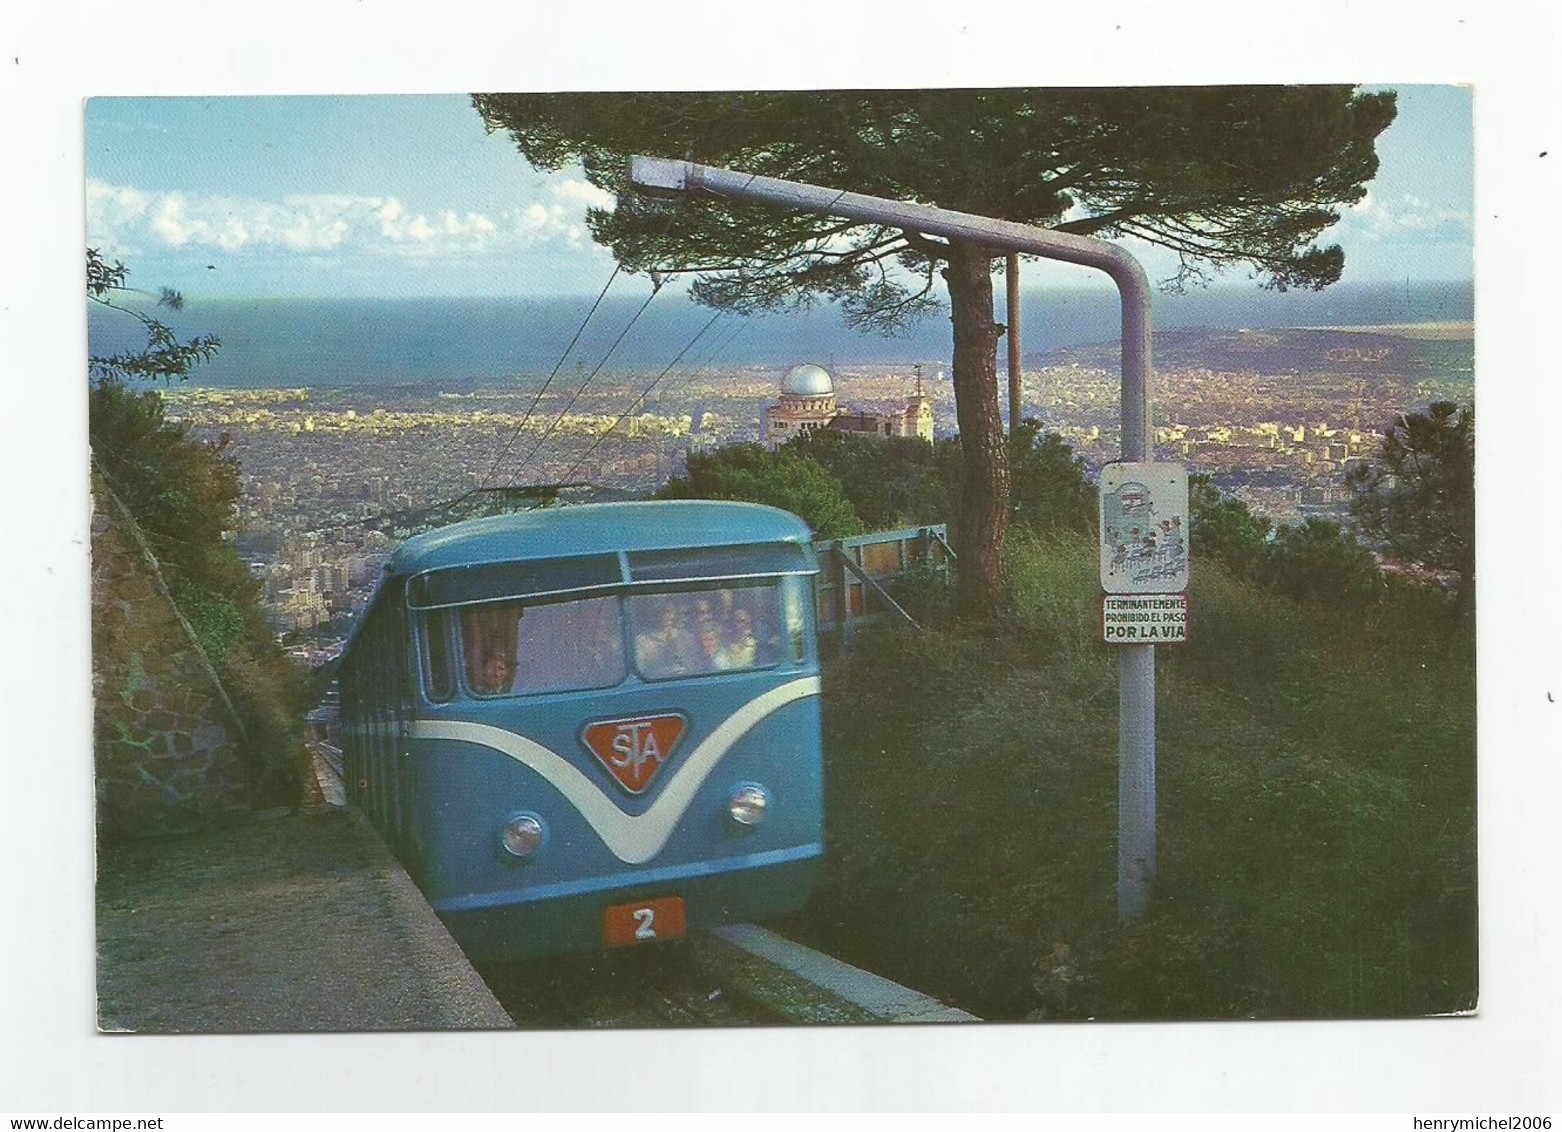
column 409, row 196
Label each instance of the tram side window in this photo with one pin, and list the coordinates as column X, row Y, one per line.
column 793, row 597
column 511, row 648
column 698, row 632
column 436, row 652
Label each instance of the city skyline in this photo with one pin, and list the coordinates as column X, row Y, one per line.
column 1274, row 418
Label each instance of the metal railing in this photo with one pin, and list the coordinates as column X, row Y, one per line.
column 854, row 574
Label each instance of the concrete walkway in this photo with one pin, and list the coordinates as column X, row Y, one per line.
column 304, row 922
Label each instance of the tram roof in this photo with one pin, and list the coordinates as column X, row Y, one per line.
column 597, row 528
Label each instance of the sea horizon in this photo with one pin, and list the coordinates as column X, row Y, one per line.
column 473, row 342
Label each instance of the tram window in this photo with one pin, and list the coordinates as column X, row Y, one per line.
column 436, row 651
column 796, row 622
column 464, row 585
column 698, row 632
column 716, row 562
column 512, row 648
column 488, row 639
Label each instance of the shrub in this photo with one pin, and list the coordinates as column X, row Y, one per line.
column 1049, row 491
column 754, row 474
column 1318, row 563
column 891, row 481
column 269, row 695
column 1224, row 530
column 183, row 495
column 925, row 592
column 1316, row 811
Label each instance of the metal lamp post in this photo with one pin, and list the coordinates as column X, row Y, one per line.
column 1136, row 847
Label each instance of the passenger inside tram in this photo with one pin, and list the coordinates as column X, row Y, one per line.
column 665, row 649
column 724, row 630
column 489, row 635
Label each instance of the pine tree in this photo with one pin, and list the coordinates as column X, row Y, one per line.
column 1416, row 503
column 1221, row 176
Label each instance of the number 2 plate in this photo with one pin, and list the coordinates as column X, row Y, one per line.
column 627, row 925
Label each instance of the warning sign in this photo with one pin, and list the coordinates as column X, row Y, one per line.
column 1144, row 528
column 1144, row 619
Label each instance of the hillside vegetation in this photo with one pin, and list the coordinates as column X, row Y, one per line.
column 1316, row 806
column 1315, row 752
column 181, row 496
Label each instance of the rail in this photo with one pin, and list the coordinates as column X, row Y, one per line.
column 329, row 772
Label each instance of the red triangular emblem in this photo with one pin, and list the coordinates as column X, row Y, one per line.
column 633, row 750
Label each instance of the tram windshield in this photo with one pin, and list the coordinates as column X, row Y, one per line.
column 694, row 633
column 517, row 648
column 511, row 648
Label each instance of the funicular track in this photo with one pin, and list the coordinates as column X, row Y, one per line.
column 741, row 975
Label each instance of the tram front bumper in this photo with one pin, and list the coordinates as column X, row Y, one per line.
column 588, row 915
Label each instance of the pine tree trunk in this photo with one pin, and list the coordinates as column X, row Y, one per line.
column 984, row 495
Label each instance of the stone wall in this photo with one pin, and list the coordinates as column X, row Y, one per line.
column 166, row 741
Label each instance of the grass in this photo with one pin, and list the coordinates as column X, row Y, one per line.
column 1316, row 810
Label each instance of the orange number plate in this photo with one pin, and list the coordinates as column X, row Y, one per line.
column 625, row 925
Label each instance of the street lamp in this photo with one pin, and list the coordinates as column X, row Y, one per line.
column 1136, row 847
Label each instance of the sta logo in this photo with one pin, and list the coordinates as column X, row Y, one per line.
column 633, row 750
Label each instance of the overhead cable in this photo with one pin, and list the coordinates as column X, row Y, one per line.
column 508, row 444
column 644, row 394
column 656, row 287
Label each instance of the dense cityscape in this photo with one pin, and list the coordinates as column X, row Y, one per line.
column 1274, row 417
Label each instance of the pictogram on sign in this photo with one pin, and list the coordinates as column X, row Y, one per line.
column 1144, row 528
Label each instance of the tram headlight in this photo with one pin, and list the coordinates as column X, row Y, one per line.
column 748, row 804
column 522, row 835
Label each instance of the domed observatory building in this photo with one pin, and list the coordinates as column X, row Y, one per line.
column 807, row 402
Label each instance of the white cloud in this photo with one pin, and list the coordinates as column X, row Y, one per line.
column 112, row 207
column 1420, row 216
column 1407, row 217
column 121, row 217
column 171, row 223
column 584, row 192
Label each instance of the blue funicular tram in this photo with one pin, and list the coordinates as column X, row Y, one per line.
column 594, row 725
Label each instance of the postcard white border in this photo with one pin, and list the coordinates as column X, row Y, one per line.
column 57, row 54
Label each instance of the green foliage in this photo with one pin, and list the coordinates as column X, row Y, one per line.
column 217, row 620
column 891, row 481
column 1317, row 562
column 1222, row 176
column 1417, row 502
column 781, row 479
column 926, row 592
column 1224, row 530
column 1056, row 585
column 896, row 481
column 1243, row 634
column 163, row 356
column 1316, row 817
column 1048, row 488
column 271, row 696
column 184, row 493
